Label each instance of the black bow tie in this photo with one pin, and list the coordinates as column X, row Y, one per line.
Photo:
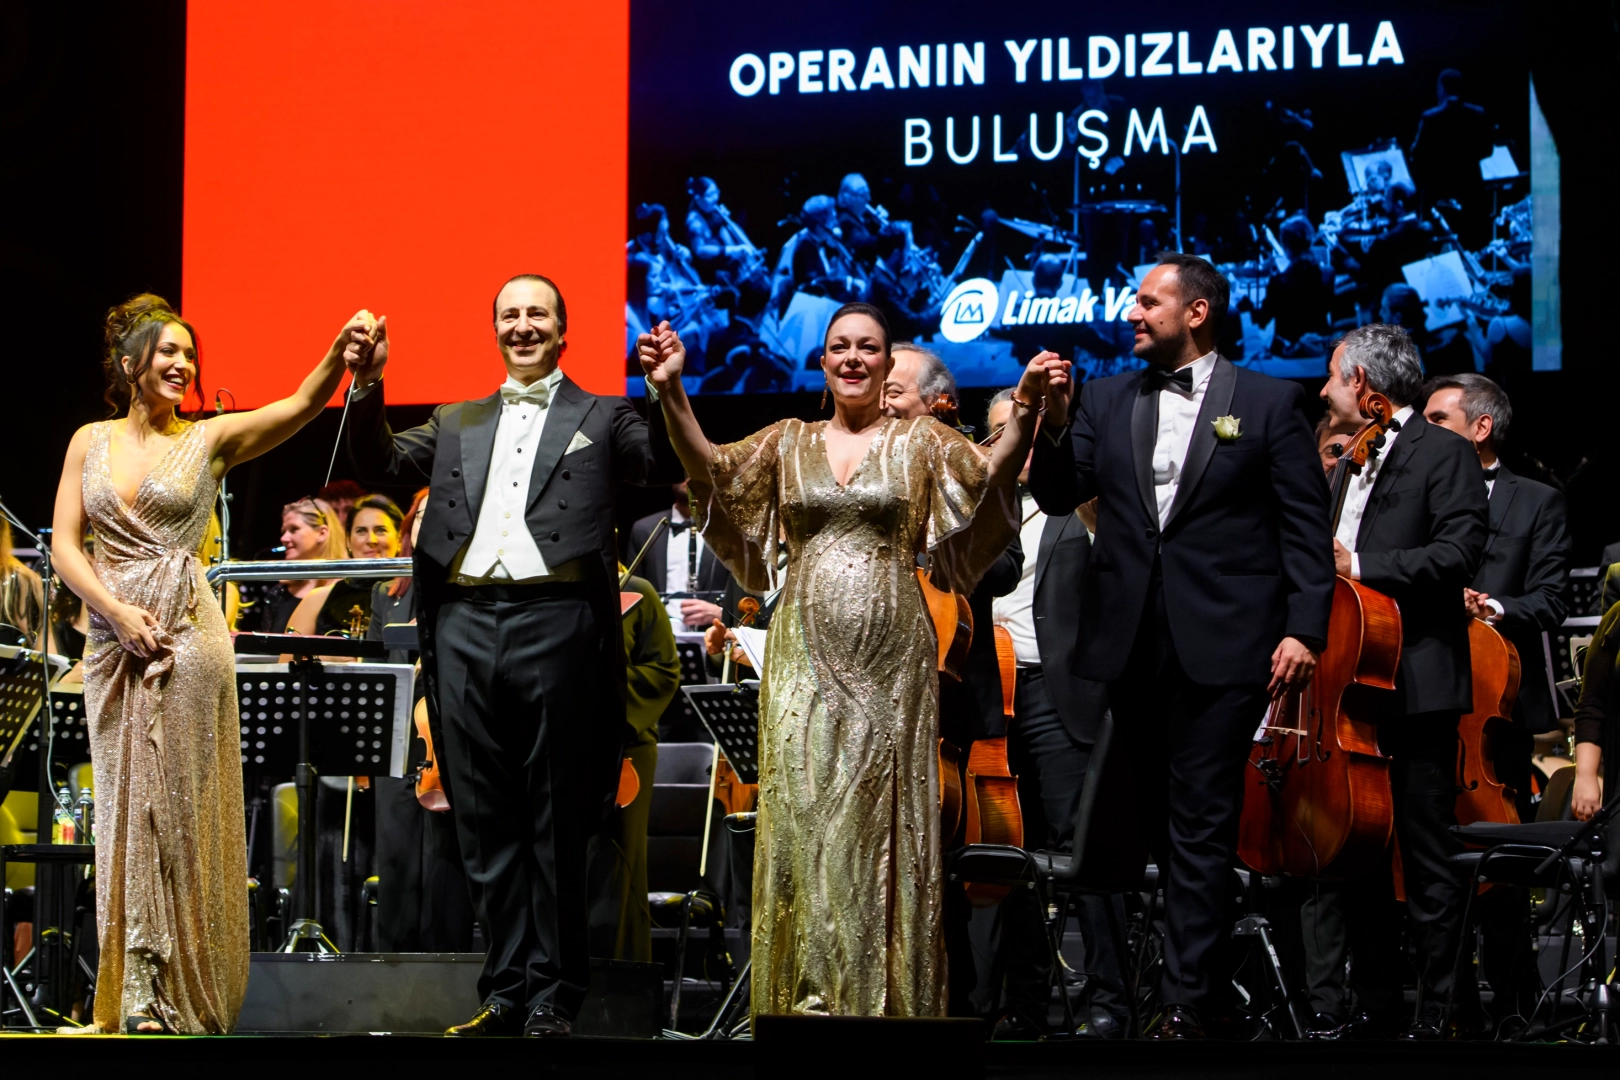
column 1160, row 379
column 1490, row 474
column 678, row 527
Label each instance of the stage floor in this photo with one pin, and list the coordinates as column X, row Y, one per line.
column 670, row 1060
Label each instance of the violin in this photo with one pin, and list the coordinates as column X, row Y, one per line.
column 1318, row 802
column 1480, row 795
column 429, row 784
column 994, row 814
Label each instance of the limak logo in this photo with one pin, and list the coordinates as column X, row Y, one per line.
column 969, row 310
column 975, row 306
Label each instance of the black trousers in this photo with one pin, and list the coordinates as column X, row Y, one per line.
column 422, row 901
column 1051, row 767
column 521, row 677
column 1188, row 745
column 1422, row 749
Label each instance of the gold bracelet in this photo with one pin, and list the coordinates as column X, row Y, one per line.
column 1016, row 400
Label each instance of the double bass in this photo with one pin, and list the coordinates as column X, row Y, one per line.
column 1317, row 800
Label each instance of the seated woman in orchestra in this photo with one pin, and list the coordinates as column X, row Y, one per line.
column 22, row 594
column 848, row 880
column 310, row 529
column 1597, row 721
column 375, row 531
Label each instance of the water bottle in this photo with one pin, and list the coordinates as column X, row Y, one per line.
column 84, row 817
column 63, row 831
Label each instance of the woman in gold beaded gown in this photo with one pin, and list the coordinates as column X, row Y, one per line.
column 160, row 695
column 848, row 877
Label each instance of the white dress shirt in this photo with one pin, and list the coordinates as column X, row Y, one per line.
column 1178, row 412
column 1497, row 610
column 501, row 547
column 1016, row 610
column 1360, row 490
column 681, row 552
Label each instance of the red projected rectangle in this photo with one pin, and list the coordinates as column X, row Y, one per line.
column 406, row 157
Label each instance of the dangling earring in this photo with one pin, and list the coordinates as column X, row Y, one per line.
column 823, row 395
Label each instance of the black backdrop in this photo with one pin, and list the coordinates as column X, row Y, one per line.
column 91, row 185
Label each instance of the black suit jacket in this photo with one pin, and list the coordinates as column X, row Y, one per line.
column 1526, row 569
column 1060, row 568
column 1246, row 553
column 570, row 509
column 712, row 573
column 1420, row 542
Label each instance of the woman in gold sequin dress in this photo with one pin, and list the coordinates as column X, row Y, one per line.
column 160, row 696
column 848, row 878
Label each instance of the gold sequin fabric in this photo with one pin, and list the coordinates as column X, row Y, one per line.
column 171, row 855
column 848, row 876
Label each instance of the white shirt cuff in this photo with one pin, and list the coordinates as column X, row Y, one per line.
column 652, row 391
column 362, row 391
column 1497, row 611
column 1355, row 567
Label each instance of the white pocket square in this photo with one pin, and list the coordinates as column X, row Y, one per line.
column 579, row 442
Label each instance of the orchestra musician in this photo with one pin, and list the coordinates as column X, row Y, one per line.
column 1208, row 590
column 521, row 645
column 1414, row 527
column 816, row 260
column 620, row 918
column 680, row 562
column 1519, row 589
column 1056, row 713
column 971, row 708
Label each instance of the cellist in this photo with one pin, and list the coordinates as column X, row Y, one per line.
column 1519, row 589
column 1413, row 527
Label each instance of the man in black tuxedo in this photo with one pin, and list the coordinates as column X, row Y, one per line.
column 1208, row 589
column 1413, row 526
column 1521, row 590
column 522, row 655
column 680, row 562
column 1522, row 581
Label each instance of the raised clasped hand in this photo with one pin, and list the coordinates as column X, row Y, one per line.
column 662, row 355
column 365, row 347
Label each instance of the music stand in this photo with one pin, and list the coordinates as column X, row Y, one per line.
column 361, row 715
column 730, row 712
column 22, row 684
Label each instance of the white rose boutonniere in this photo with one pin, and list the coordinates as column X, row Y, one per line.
column 1227, row 428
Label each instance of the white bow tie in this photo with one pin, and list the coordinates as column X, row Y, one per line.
column 537, row 394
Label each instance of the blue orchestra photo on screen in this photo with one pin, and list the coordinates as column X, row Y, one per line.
column 999, row 181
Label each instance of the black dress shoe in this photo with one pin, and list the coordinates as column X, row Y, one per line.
column 1380, row 1024
column 546, row 1022
column 1016, row 1027
column 1179, row 1022
column 1429, row 1024
column 1099, row 1023
column 1326, row 1027
column 492, row 1018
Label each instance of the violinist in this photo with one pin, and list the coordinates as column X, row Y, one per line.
column 517, row 588
column 621, row 921
column 1413, row 527
column 1056, row 713
column 1208, row 590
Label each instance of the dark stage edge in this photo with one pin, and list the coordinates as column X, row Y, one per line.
column 739, row 1060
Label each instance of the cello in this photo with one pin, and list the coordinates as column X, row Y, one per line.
column 1318, row 802
column 1495, row 662
column 994, row 814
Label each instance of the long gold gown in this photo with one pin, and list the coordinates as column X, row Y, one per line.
column 171, row 855
column 848, row 880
